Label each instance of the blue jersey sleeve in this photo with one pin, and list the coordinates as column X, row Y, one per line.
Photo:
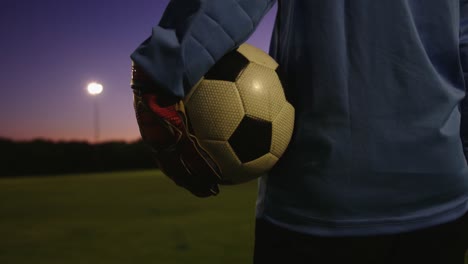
column 192, row 36
column 464, row 62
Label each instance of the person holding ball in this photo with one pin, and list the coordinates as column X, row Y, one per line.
column 376, row 170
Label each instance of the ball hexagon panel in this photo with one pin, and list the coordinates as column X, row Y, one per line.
column 261, row 92
column 216, row 121
column 283, row 126
column 251, row 170
column 254, row 54
column 228, row 68
column 257, row 167
column 251, row 139
column 233, row 171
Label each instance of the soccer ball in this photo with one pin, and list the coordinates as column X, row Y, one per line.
column 240, row 116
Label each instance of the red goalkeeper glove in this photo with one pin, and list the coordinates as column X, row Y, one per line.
column 163, row 126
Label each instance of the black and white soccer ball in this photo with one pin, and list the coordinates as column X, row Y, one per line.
column 240, row 115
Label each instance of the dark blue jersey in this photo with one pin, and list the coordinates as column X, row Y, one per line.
column 378, row 88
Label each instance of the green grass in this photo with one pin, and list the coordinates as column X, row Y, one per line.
column 128, row 217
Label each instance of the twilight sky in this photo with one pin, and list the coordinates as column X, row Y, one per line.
column 51, row 49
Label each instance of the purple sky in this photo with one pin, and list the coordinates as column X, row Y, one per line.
column 50, row 51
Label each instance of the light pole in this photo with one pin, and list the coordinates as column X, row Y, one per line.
column 95, row 89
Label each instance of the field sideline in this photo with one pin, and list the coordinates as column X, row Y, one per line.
column 124, row 217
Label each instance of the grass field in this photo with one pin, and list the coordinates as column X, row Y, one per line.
column 125, row 217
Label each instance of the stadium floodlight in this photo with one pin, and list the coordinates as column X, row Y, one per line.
column 95, row 89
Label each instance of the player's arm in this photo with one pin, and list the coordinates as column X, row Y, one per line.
column 464, row 62
column 191, row 36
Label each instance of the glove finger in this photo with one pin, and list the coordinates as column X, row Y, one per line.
column 154, row 131
column 197, row 164
column 172, row 165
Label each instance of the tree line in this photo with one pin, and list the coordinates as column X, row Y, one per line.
column 44, row 157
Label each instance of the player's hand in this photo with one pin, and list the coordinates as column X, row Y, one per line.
column 163, row 126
